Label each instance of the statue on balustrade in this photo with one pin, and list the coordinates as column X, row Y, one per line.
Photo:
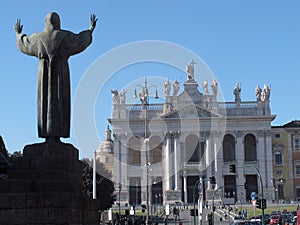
column 190, row 70
column 115, row 96
column 237, row 92
column 265, row 94
column 176, row 88
column 167, row 87
column 258, row 93
column 214, row 87
column 123, row 96
column 205, row 87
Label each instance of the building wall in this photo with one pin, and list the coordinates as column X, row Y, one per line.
column 282, row 172
column 185, row 127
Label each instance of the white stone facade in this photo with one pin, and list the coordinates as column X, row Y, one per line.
column 167, row 147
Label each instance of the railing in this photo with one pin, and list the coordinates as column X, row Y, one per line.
column 140, row 107
column 193, row 165
column 231, row 105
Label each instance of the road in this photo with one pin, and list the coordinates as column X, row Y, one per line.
column 186, row 219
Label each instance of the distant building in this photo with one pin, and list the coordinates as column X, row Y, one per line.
column 105, row 155
column 281, row 164
column 165, row 148
column 286, row 161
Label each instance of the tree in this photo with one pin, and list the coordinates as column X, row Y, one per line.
column 104, row 186
column 14, row 158
column 3, row 150
column 4, row 164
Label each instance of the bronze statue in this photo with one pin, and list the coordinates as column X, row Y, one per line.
column 53, row 47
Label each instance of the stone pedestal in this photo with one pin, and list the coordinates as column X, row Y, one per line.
column 45, row 188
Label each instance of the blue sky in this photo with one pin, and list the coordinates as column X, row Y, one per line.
column 246, row 42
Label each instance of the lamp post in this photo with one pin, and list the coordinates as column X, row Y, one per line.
column 160, row 201
column 136, row 192
column 199, row 184
column 156, row 211
column 144, row 97
column 94, row 176
column 213, row 204
column 120, row 186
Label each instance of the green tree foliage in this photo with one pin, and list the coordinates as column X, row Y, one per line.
column 104, row 186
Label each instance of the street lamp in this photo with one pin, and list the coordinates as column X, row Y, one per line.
column 156, row 208
column 144, row 97
column 119, row 216
column 136, row 192
column 160, row 201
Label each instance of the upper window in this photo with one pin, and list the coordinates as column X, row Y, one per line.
column 194, row 149
column 277, row 136
column 228, row 148
column 250, row 148
column 134, row 151
column 155, row 145
column 297, row 169
column 278, row 158
column 297, row 143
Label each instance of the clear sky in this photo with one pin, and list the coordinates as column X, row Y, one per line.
column 247, row 42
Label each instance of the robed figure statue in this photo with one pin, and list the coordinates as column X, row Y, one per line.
column 53, row 47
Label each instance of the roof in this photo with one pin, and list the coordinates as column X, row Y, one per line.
column 295, row 123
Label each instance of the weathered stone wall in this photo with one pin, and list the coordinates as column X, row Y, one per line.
column 45, row 188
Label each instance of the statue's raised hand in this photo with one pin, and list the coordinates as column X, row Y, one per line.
column 18, row 27
column 93, row 22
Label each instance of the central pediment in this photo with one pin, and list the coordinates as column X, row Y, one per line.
column 190, row 111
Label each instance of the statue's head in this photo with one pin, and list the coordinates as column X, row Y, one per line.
column 52, row 21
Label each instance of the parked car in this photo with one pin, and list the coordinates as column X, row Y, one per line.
column 267, row 218
column 275, row 219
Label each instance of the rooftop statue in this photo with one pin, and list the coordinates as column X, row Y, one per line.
column 205, row 87
column 123, row 96
column 258, row 93
column 167, row 87
column 214, row 88
column 237, row 91
column 265, row 94
column 176, row 88
column 115, row 96
column 53, row 47
column 190, row 70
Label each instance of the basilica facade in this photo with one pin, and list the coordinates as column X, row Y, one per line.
column 169, row 152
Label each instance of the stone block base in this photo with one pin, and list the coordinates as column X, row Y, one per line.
column 45, row 188
column 47, row 209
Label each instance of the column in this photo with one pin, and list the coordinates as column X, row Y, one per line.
column 218, row 162
column 185, row 188
column 117, row 163
column 240, row 158
column 124, row 162
column 177, row 160
column 167, row 162
column 208, row 162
